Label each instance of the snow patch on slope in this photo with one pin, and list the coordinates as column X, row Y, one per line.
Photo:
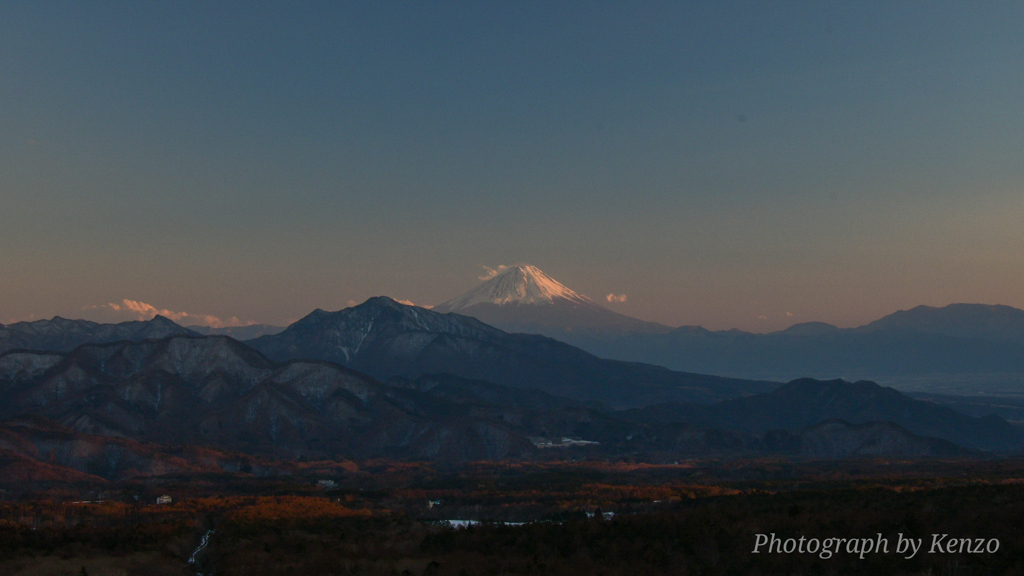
column 517, row 285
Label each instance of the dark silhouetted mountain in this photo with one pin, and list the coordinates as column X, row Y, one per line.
column 959, row 339
column 385, row 339
column 525, row 299
column 238, row 332
column 215, row 391
column 111, row 411
column 807, row 402
column 61, row 334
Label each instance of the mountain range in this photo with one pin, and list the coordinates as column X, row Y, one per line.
column 116, row 410
column 887, row 351
column 215, row 391
column 247, row 332
column 959, row 348
column 959, row 340
column 81, row 400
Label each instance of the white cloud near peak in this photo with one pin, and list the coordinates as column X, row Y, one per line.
column 143, row 311
column 492, row 272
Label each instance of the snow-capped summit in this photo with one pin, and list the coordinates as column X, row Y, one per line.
column 524, row 299
column 522, row 284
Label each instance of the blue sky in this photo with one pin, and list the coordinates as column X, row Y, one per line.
column 743, row 165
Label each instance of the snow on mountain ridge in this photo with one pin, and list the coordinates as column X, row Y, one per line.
column 518, row 285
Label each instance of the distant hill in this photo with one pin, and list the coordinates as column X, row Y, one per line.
column 61, row 334
column 384, row 338
column 982, row 321
column 960, row 339
column 238, row 332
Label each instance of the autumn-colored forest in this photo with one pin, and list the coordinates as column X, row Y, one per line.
column 389, row 518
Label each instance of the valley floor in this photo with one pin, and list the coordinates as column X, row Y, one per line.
column 534, row 518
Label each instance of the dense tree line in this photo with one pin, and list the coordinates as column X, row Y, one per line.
column 707, row 536
column 664, row 523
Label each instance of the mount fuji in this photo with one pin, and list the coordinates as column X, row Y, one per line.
column 525, row 299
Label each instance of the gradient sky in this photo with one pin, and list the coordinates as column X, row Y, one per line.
column 745, row 165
